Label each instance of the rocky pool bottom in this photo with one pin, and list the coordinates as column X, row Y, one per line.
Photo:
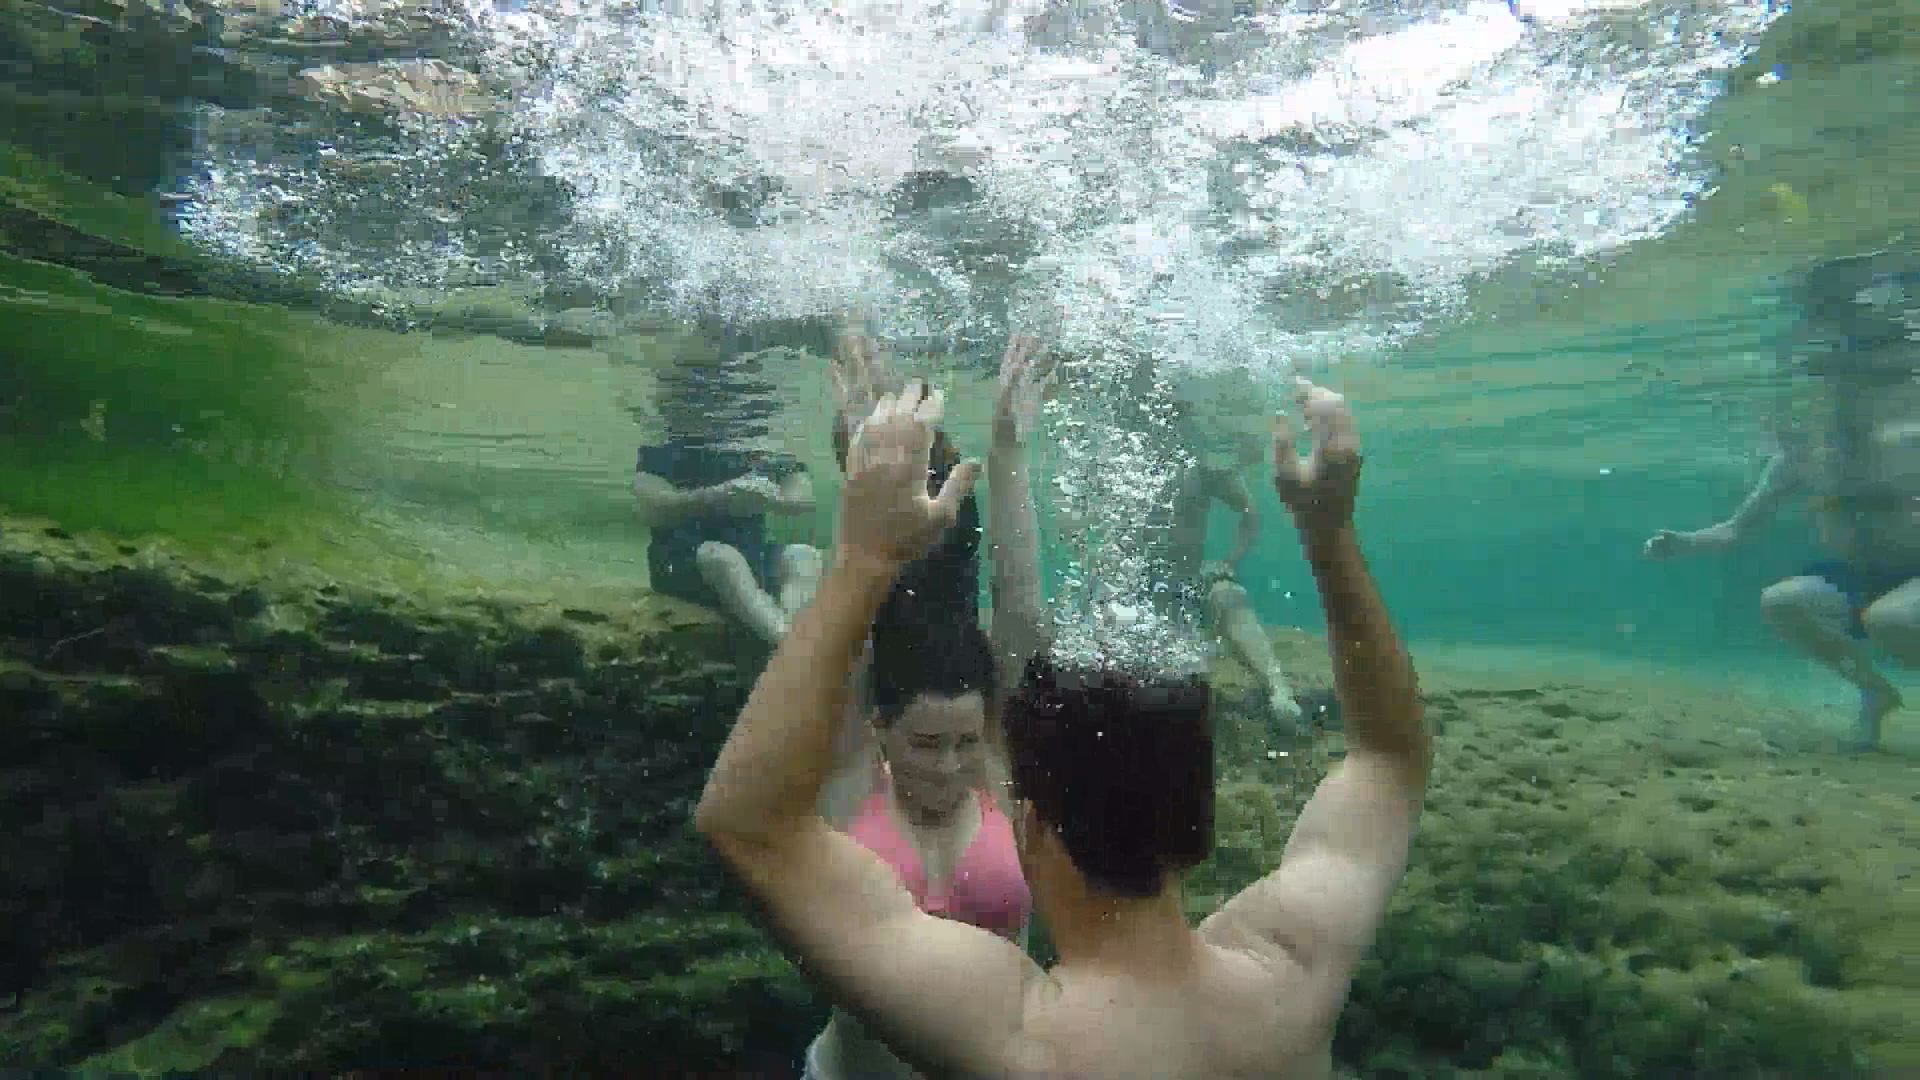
column 262, row 819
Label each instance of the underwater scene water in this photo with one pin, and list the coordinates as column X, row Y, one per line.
column 348, row 720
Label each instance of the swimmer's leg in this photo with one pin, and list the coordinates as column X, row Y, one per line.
column 1234, row 620
column 799, row 571
column 726, row 572
column 1893, row 624
column 1816, row 618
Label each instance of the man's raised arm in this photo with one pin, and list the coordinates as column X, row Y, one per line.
column 1329, row 894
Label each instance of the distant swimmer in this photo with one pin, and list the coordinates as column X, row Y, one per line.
column 1862, row 484
column 1212, row 590
column 1113, row 795
column 705, row 500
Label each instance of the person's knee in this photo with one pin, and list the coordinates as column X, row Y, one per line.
column 1227, row 595
column 711, row 553
column 719, row 563
column 801, row 558
column 1796, row 600
column 1892, row 624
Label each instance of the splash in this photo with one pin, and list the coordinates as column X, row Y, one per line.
column 1294, row 184
column 1180, row 189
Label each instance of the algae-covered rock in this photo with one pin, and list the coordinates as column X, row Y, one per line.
column 427, row 87
column 1602, row 890
column 297, row 824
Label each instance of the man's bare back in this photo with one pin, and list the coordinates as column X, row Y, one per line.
column 1114, row 778
column 1238, row 1012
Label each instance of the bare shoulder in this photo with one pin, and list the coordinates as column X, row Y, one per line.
column 1240, row 1014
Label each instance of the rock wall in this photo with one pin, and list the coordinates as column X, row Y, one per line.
column 293, row 824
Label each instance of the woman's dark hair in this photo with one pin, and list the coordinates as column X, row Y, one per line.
column 949, row 574
column 918, row 653
column 926, row 636
column 1120, row 768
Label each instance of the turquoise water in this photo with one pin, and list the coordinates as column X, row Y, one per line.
column 284, row 333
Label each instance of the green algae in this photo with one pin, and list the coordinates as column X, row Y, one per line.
column 307, row 823
column 211, row 423
column 1594, row 892
column 47, row 191
column 293, row 823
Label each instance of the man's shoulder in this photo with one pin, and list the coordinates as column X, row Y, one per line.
column 1240, row 1013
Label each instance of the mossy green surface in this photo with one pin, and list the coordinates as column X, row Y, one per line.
column 35, row 185
column 293, row 823
column 1626, row 880
column 211, row 423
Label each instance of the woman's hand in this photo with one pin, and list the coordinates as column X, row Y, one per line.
column 1027, row 378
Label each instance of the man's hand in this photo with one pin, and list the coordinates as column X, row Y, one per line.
column 885, row 514
column 1027, row 378
column 1321, row 489
column 1667, row 544
column 793, row 505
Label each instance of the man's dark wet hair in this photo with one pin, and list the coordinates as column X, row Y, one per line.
column 1120, row 767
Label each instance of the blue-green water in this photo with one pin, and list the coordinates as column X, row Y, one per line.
column 292, row 335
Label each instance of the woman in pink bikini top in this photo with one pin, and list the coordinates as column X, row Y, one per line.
column 920, row 793
column 930, row 811
column 923, row 774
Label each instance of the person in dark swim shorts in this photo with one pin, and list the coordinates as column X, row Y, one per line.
column 1856, row 459
column 707, row 509
column 706, row 499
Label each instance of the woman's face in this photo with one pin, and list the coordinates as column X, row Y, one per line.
column 936, row 749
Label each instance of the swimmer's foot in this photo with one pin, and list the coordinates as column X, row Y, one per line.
column 1319, row 709
column 1287, row 714
column 1875, row 704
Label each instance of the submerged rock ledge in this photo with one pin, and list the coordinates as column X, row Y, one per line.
column 283, row 822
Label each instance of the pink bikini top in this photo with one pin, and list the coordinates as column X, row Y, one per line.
column 987, row 888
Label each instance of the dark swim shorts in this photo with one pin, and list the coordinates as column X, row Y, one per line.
column 1860, row 586
column 672, row 554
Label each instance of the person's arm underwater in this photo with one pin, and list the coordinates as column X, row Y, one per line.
column 796, row 494
column 1019, row 629
column 1231, row 491
column 1323, row 904
column 1784, row 476
column 661, row 504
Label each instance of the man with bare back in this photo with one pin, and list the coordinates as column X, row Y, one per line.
column 1112, row 775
